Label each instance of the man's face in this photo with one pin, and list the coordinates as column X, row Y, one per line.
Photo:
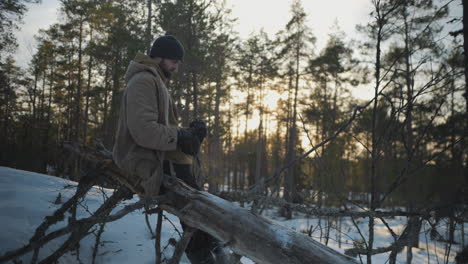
column 168, row 66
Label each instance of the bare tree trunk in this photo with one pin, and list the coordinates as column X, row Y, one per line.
column 374, row 151
column 45, row 137
column 216, row 143
column 195, row 94
column 42, row 97
column 115, row 101
column 229, row 156
column 34, row 97
column 235, row 173
column 148, row 27
column 259, row 186
column 290, row 181
column 88, row 91
column 258, row 161
column 409, row 248
column 338, row 233
column 465, row 59
column 462, row 231
column 105, row 115
column 244, row 168
column 78, row 89
column 70, row 95
column 409, row 125
column 157, row 239
column 4, row 140
column 409, row 90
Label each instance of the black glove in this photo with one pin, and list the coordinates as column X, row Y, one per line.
column 187, row 141
column 198, row 128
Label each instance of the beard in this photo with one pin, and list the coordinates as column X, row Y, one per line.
column 166, row 72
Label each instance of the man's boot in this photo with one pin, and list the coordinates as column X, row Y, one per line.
column 200, row 249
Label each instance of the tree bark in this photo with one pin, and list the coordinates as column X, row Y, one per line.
column 465, row 59
column 148, row 28
column 195, row 93
column 217, row 148
column 88, row 91
column 374, row 152
column 78, row 89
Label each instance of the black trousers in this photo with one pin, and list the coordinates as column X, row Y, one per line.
column 201, row 248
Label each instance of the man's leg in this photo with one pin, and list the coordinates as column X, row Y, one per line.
column 202, row 246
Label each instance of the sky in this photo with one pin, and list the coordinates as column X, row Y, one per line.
column 253, row 15
column 39, row 16
column 272, row 16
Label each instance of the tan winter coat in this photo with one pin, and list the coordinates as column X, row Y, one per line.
column 147, row 128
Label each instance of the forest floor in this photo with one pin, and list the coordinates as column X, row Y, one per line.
column 27, row 197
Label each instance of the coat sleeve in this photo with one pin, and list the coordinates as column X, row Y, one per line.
column 142, row 117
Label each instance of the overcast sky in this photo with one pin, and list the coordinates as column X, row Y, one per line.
column 252, row 15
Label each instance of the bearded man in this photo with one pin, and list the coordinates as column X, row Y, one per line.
column 149, row 142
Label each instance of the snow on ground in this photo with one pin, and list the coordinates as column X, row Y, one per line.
column 27, row 197
column 426, row 253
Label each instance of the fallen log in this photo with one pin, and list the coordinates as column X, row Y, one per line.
column 243, row 232
column 246, row 234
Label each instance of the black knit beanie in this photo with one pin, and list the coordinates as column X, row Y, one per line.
column 167, row 47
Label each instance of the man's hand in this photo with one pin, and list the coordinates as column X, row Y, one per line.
column 198, row 128
column 187, row 141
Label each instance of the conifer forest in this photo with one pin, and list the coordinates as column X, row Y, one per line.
column 287, row 131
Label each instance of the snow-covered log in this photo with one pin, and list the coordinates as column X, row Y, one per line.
column 245, row 233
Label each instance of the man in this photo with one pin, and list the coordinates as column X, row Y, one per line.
column 149, row 142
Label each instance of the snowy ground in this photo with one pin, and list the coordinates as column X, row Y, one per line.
column 27, row 197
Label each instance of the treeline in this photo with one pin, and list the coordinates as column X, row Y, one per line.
column 408, row 143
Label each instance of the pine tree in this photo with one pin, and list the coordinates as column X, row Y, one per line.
column 378, row 31
column 296, row 43
column 256, row 65
column 194, row 25
column 11, row 80
column 332, row 72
